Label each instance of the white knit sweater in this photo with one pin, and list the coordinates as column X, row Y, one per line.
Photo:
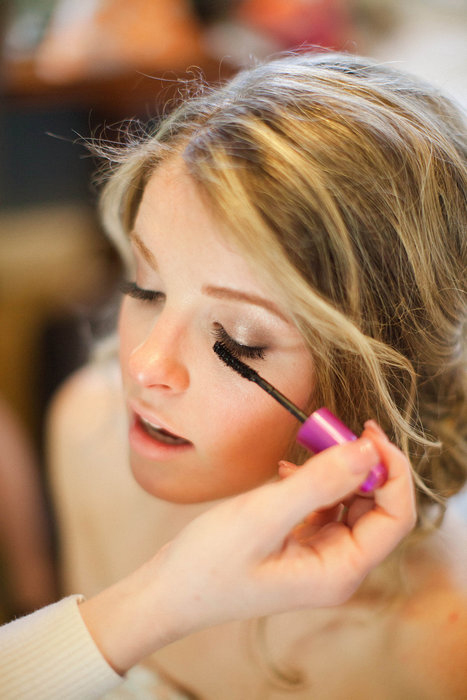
column 50, row 655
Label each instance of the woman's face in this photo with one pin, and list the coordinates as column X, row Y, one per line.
column 190, row 289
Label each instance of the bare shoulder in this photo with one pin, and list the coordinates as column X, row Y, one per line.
column 431, row 640
column 86, row 428
column 85, row 399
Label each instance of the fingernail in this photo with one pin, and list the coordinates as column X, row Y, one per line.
column 373, row 425
column 286, row 468
column 288, row 465
column 367, row 454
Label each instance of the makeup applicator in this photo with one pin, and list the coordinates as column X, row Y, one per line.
column 320, row 430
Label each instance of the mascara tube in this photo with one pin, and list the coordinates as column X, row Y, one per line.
column 322, row 429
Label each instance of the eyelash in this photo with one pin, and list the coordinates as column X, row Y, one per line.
column 237, row 349
column 132, row 290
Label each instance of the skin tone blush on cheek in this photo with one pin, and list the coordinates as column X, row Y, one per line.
column 320, row 430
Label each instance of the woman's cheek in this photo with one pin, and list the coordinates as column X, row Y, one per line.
column 250, row 437
column 248, row 431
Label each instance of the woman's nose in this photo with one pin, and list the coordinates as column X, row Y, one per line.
column 157, row 361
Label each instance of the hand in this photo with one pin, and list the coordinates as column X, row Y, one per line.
column 348, row 511
column 246, row 557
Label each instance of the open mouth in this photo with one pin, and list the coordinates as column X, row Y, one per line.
column 160, row 434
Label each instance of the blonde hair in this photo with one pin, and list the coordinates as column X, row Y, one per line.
column 344, row 182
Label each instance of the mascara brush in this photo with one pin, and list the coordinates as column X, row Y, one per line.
column 320, row 430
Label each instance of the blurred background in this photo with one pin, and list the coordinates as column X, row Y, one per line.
column 72, row 70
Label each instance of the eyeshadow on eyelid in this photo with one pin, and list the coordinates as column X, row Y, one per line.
column 244, row 335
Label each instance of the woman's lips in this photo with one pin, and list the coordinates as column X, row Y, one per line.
column 152, row 440
column 160, row 433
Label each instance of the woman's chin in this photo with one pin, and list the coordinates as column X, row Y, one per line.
column 157, row 480
column 173, row 483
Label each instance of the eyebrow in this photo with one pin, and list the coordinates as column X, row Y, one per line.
column 235, row 295
column 210, row 290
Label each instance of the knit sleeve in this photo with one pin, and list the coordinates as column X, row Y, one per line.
column 50, row 655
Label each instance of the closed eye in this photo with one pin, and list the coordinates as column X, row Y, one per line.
column 132, row 290
column 237, row 349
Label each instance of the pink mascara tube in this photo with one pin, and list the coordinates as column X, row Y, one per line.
column 322, row 430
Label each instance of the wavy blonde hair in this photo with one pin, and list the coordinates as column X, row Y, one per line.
column 344, row 182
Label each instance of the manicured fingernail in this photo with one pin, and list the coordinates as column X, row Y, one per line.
column 286, row 468
column 373, row 425
column 367, row 454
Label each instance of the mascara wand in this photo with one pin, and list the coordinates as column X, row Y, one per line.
column 249, row 373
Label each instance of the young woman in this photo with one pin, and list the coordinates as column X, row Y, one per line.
column 310, row 216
